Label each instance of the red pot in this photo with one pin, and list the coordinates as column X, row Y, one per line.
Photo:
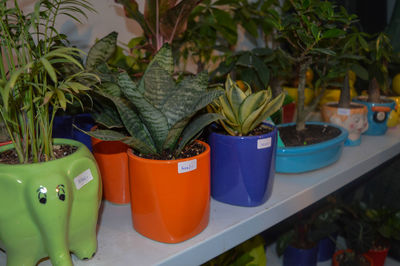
column 378, row 256
column 335, row 262
column 5, row 143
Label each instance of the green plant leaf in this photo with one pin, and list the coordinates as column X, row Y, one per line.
column 195, row 126
column 49, row 68
column 154, row 120
column 101, row 51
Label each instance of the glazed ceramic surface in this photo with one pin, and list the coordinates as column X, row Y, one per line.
column 353, row 119
column 300, row 257
column 394, row 117
column 242, row 168
column 378, row 114
column 170, row 199
column 112, row 159
column 50, row 209
column 310, row 157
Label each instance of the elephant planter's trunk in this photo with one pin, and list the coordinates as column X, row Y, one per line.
column 50, row 210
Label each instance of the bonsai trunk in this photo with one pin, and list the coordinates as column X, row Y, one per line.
column 301, row 114
column 344, row 100
column 374, row 94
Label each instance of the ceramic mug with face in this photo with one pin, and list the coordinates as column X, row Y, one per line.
column 354, row 119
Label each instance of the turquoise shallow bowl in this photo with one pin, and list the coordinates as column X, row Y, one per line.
column 310, row 157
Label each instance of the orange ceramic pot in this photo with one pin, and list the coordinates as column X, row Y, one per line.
column 112, row 159
column 170, row 200
column 5, row 143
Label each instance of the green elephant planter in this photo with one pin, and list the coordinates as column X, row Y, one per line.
column 50, row 209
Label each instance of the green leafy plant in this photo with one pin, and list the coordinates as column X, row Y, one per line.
column 32, row 87
column 158, row 115
column 308, row 230
column 243, row 110
column 378, row 59
column 162, row 20
column 310, row 30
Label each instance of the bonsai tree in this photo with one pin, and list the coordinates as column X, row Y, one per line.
column 310, row 31
column 32, row 87
column 378, row 61
column 157, row 116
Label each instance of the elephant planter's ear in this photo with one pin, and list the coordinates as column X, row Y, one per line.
column 42, row 194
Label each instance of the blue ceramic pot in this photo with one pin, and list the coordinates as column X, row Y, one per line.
column 85, row 122
column 242, row 168
column 300, row 257
column 326, row 248
column 310, row 157
column 62, row 126
column 378, row 114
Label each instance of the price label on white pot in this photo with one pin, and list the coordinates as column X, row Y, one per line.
column 83, row 179
column 187, row 166
column 343, row 111
column 263, row 143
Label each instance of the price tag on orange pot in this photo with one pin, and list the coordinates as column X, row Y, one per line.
column 263, row 143
column 187, row 166
column 83, row 179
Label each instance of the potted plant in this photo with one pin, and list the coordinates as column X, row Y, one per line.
column 359, row 237
column 310, row 30
column 312, row 238
column 4, row 138
column 379, row 107
column 342, row 111
column 243, row 147
column 50, row 188
column 167, row 168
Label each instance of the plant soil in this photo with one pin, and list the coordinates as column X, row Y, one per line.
column 260, row 130
column 189, row 151
column 59, row 151
column 312, row 134
column 345, row 259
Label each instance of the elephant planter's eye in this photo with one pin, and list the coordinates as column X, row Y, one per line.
column 42, row 194
column 60, row 192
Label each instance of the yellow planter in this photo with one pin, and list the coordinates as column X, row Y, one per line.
column 292, row 92
column 394, row 116
column 333, row 95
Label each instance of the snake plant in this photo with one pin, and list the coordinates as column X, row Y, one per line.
column 243, row 110
column 158, row 115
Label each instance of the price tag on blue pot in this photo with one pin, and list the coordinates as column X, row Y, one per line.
column 343, row 111
column 263, row 143
column 83, row 179
column 187, row 166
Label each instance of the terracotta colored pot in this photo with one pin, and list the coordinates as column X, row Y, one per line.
column 170, row 199
column 353, row 119
column 335, row 262
column 378, row 256
column 112, row 159
column 5, row 143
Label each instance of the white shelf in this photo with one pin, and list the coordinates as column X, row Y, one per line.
column 229, row 225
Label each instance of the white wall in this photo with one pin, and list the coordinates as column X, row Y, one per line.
column 109, row 17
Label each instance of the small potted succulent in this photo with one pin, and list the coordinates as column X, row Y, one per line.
column 49, row 188
column 168, row 169
column 242, row 146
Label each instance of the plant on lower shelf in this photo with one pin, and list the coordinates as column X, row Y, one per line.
column 249, row 253
column 308, row 231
